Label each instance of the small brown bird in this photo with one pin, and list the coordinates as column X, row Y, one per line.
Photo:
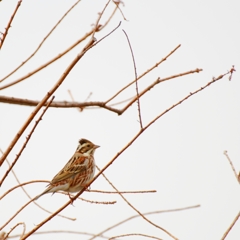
column 78, row 171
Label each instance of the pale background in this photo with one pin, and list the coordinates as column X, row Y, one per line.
column 180, row 156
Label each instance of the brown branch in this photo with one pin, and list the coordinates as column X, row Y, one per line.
column 231, row 164
column 117, row 155
column 25, row 143
column 143, row 74
column 9, row 24
column 232, row 70
column 136, row 210
column 123, row 192
column 61, row 231
column 136, row 81
column 44, row 100
column 134, row 234
column 57, row 104
column 24, row 229
column 117, row 2
column 231, row 226
column 147, row 213
column 96, row 27
column 97, row 202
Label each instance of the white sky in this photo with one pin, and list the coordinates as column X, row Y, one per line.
column 180, row 155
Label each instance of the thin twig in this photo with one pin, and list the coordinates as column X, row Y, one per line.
column 231, row 164
column 61, row 231
column 44, row 39
column 97, row 202
column 136, row 210
column 117, row 2
column 57, row 104
column 231, row 73
column 231, row 226
column 123, row 192
column 25, row 143
column 20, row 223
column 134, row 234
column 136, row 81
column 96, row 27
column 9, row 24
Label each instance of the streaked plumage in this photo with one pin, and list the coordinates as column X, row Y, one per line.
column 78, row 171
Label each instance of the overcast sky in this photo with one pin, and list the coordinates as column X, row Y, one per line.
column 180, row 155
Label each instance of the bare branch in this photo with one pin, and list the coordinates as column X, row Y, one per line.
column 96, row 27
column 233, row 168
column 61, row 231
column 24, row 229
column 123, row 192
column 135, row 234
column 232, row 70
column 97, row 202
column 231, row 226
column 57, row 104
column 9, row 24
column 136, row 81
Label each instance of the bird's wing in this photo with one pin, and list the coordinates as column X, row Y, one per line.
column 78, row 163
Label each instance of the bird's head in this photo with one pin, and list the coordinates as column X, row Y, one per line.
column 85, row 146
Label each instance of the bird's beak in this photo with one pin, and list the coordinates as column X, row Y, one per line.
column 96, row 146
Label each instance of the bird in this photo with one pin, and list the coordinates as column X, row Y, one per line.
column 78, row 171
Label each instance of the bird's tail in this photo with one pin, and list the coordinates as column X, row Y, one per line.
column 48, row 190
